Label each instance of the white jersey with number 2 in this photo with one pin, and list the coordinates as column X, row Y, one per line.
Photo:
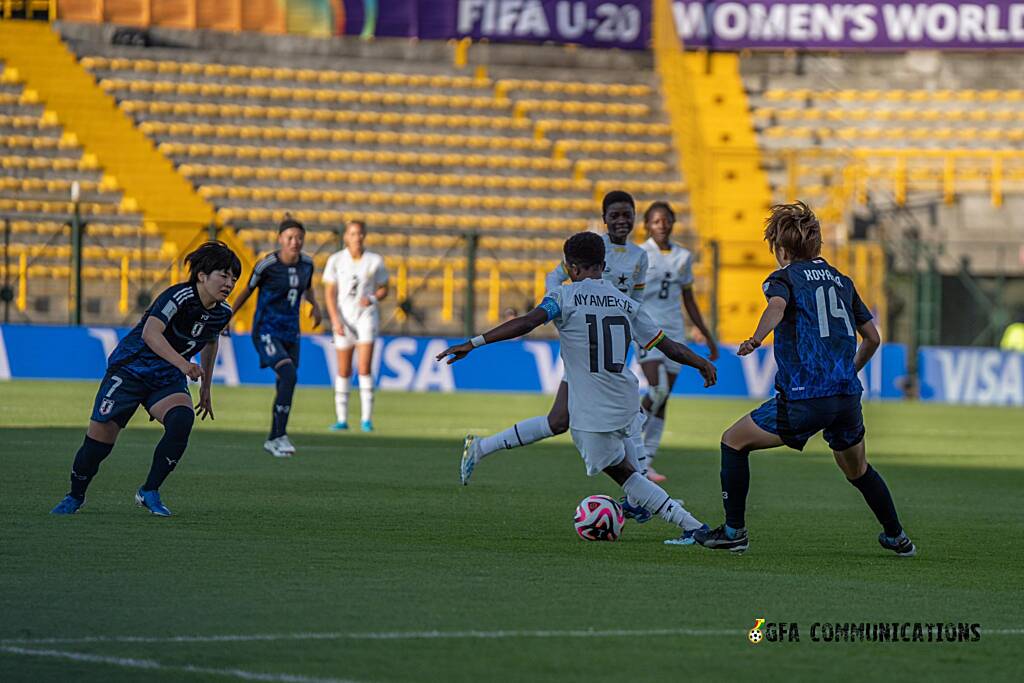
column 596, row 324
column 355, row 278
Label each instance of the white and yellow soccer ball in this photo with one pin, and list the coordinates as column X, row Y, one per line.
column 599, row 518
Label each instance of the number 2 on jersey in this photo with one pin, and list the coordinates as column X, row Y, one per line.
column 835, row 307
column 607, row 323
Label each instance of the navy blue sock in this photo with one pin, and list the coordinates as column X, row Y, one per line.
column 177, row 426
column 876, row 493
column 87, row 464
column 286, row 379
column 735, row 484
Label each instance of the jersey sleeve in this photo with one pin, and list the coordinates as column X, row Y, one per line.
column 861, row 313
column 646, row 332
column 166, row 305
column 640, row 276
column 686, row 272
column 554, row 279
column 552, row 303
column 257, row 272
column 778, row 285
column 329, row 269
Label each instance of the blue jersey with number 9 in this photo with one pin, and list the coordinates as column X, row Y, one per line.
column 281, row 288
column 817, row 339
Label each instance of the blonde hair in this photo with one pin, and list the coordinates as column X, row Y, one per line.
column 794, row 228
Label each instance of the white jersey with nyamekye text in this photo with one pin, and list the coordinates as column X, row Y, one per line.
column 596, row 324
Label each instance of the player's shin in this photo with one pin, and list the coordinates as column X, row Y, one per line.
column 648, row 495
column 366, row 397
column 653, row 429
column 286, row 379
column 341, row 388
column 735, row 475
column 87, row 463
column 876, row 494
column 520, row 434
column 177, row 426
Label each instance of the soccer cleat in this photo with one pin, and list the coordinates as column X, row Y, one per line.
column 655, row 476
column 901, row 545
column 687, row 537
column 288, row 445
column 67, row 506
column 339, row 427
column 151, row 501
column 366, row 426
column 635, row 512
column 720, row 539
column 276, row 448
column 468, row 459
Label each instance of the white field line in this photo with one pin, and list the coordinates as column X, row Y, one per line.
column 413, row 635
column 153, row 665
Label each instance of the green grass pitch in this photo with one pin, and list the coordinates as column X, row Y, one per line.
column 362, row 559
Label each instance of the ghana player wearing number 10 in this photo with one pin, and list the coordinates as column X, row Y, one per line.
column 810, row 306
column 149, row 367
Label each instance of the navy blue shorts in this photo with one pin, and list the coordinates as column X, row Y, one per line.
column 797, row 421
column 121, row 394
column 272, row 350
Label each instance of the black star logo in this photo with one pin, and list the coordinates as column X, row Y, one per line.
column 668, row 275
column 622, row 280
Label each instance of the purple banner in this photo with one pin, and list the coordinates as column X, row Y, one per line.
column 871, row 25
column 595, row 23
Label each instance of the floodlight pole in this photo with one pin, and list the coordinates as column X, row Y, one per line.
column 469, row 316
column 76, row 256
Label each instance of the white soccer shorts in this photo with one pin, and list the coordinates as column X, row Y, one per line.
column 601, row 450
column 362, row 330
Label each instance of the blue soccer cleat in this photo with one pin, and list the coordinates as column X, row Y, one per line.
column 469, row 459
column 367, row 426
column 339, row 427
column 723, row 538
column 67, row 506
column 687, row 537
column 635, row 512
column 151, row 501
column 901, row 545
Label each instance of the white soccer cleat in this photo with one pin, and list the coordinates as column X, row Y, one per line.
column 468, row 459
column 659, row 392
column 288, row 445
column 277, row 448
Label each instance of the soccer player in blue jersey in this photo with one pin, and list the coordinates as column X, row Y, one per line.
column 815, row 312
column 283, row 278
column 149, row 367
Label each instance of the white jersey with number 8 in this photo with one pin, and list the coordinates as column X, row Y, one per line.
column 596, row 324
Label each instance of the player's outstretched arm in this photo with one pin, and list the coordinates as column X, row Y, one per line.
column 207, row 359
column 693, row 311
column 770, row 319
column 681, row 353
column 510, row 329
column 870, row 340
column 153, row 336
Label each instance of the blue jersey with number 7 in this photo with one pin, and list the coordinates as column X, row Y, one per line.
column 189, row 326
column 817, row 339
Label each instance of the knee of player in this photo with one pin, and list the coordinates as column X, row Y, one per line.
column 178, row 421
column 286, row 371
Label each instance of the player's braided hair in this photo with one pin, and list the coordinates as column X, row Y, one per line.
column 614, row 197
column 211, row 256
column 795, row 228
column 660, row 206
column 584, row 249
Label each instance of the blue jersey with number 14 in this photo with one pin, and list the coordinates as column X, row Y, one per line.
column 281, row 288
column 817, row 339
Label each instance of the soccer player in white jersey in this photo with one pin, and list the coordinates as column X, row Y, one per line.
column 596, row 324
column 626, row 270
column 669, row 277
column 355, row 281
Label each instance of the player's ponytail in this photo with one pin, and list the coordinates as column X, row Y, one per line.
column 794, row 228
column 211, row 256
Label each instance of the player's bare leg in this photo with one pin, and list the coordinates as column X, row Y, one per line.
column 854, row 464
column 474, row 449
column 661, row 382
column 366, row 385
column 342, row 384
column 643, row 493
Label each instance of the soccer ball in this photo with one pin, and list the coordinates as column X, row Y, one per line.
column 754, row 636
column 599, row 518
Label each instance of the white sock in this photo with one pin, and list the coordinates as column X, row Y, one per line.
column 520, row 434
column 366, row 397
column 341, row 398
column 651, row 497
column 653, row 430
